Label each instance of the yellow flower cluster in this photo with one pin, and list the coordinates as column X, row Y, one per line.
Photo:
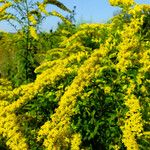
column 5, row 6
column 26, row 92
column 10, row 130
column 42, row 8
column 92, row 26
column 5, row 89
column 49, row 76
column 107, row 89
column 60, row 120
column 127, row 57
column 65, row 32
column 32, row 19
column 121, row 2
column 33, row 32
column 58, row 129
column 139, row 9
column 69, row 41
column 3, row 14
column 128, row 35
column 145, row 57
column 84, row 30
column 57, row 133
column 133, row 123
column 69, row 59
column 75, row 142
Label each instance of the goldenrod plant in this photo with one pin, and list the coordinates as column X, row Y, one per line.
column 90, row 93
column 28, row 13
column 26, row 16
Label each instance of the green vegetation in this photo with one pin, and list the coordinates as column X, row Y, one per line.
column 80, row 87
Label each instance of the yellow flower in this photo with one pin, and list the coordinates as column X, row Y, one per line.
column 33, row 32
column 5, row 6
column 107, row 89
column 32, row 19
column 42, row 8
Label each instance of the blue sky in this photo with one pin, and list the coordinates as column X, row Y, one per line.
column 86, row 11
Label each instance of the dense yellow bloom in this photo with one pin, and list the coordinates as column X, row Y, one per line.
column 72, row 58
column 145, row 57
column 133, row 122
column 139, row 9
column 121, row 2
column 9, row 129
column 75, row 142
column 5, row 89
column 86, row 63
column 85, row 29
column 60, row 125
